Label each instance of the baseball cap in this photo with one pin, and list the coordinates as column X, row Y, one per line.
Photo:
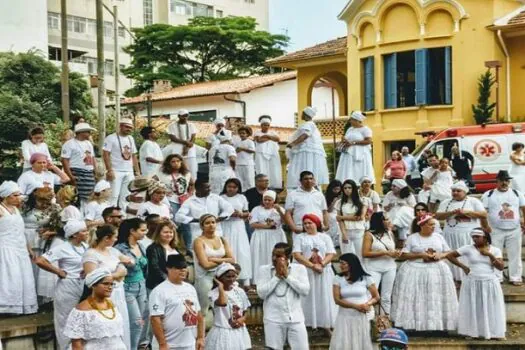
column 393, row 335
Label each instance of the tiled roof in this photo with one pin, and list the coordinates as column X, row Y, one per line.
column 211, row 88
column 329, row 48
column 518, row 19
column 513, row 19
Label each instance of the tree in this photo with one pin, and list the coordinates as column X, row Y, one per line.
column 205, row 49
column 484, row 109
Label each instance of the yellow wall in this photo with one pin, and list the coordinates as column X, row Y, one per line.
column 516, row 47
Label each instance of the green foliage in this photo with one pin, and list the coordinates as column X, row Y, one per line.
column 484, row 109
column 205, row 49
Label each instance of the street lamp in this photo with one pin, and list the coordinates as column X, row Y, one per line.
column 496, row 65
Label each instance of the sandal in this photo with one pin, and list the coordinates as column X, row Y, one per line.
column 517, row 284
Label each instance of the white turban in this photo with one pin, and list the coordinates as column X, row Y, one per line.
column 223, row 268
column 74, row 226
column 477, row 232
column 358, row 115
column 460, row 185
column 33, row 186
column 265, row 120
column 270, row 193
column 224, row 135
column 8, row 188
column 183, row 112
column 96, row 275
column 364, row 178
column 399, row 183
column 219, row 121
column 101, row 186
column 310, row 111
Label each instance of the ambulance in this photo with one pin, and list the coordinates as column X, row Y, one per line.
column 490, row 144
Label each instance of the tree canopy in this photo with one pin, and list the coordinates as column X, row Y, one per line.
column 205, row 49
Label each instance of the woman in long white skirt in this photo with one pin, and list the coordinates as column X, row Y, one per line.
column 315, row 250
column 517, row 168
column 424, row 296
column 351, row 218
column 355, row 293
column 481, row 302
column 266, row 220
column 222, row 160
column 267, row 158
column 234, row 229
column 356, row 159
column 461, row 214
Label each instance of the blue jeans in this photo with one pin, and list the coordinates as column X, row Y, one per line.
column 183, row 229
column 137, row 301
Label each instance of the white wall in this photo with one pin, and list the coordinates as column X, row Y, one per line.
column 322, row 100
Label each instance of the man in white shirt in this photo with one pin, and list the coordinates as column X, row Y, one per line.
column 182, row 135
column 150, row 154
column 78, row 161
column 281, row 286
column 305, row 200
column 120, row 159
column 202, row 202
column 175, row 311
column 506, row 213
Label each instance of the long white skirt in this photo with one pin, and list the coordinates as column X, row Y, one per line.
column 457, row 238
column 228, row 339
column 319, row 306
column 246, row 175
column 67, row 295
column 424, row 297
column 47, row 281
column 352, row 331
column 234, row 231
column 349, row 168
column 261, row 246
column 310, row 161
column 518, row 178
column 271, row 168
column 118, row 297
column 218, row 176
column 482, row 308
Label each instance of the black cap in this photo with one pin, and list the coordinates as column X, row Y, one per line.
column 503, row 175
column 176, row 261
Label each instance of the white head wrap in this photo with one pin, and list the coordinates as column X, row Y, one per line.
column 310, row 111
column 96, row 275
column 224, row 135
column 270, row 193
column 460, row 185
column 33, row 186
column 101, row 186
column 8, row 188
column 183, row 112
column 477, row 232
column 364, row 178
column 219, row 121
column 358, row 115
column 264, row 120
column 223, row 268
column 399, row 183
column 74, row 226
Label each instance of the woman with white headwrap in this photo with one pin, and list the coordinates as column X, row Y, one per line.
column 307, row 152
column 356, row 158
column 222, row 158
column 96, row 323
column 398, row 206
column 220, row 128
column 65, row 261
column 266, row 220
column 17, row 282
column 267, row 158
column 461, row 214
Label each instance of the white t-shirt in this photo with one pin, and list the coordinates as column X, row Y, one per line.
column 126, row 147
column 179, row 305
column 220, row 155
column 355, row 293
column 237, row 304
column 162, row 209
column 28, row 148
column 183, row 132
column 245, row 158
column 314, row 142
column 313, row 247
column 149, row 149
column 504, row 208
column 176, row 185
column 303, row 202
column 459, row 221
column 93, row 210
column 70, row 213
column 46, row 178
column 416, row 243
column 80, row 154
column 68, row 258
column 480, row 265
column 349, row 208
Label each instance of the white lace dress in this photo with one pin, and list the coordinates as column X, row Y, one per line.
column 98, row 332
column 356, row 160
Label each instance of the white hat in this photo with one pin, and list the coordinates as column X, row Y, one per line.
column 81, row 127
column 223, row 268
column 224, row 135
column 460, row 185
column 358, row 115
column 8, row 188
column 399, row 183
column 219, row 121
column 126, row 121
column 96, row 275
column 270, row 193
column 101, row 186
column 74, row 226
column 310, row 111
column 183, row 112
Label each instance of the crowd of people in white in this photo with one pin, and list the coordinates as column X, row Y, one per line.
column 113, row 255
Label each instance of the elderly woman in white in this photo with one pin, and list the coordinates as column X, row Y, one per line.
column 356, row 158
column 267, row 159
column 307, row 152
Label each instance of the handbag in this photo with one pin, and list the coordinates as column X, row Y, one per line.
column 380, row 323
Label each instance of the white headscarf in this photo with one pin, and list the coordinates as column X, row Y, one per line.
column 219, row 121
column 358, row 115
column 74, row 226
column 223, row 268
column 364, row 178
column 224, row 135
column 96, row 275
column 264, row 120
column 270, row 193
column 310, row 111
column 460, row 185
column 399, row 183
column 8, row 188
column 101, row 186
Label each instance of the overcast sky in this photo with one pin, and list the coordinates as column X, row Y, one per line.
column 307, row 22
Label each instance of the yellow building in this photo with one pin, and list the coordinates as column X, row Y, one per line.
column 413, row 65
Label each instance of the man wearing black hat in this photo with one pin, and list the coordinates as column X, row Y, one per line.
column 506, row 212
column 175, row 310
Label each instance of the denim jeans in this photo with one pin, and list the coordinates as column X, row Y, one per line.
column 137, row 301
column 183, row 229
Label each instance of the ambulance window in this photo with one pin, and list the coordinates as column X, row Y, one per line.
column 443, row 148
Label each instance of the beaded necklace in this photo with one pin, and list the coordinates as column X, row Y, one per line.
column 109, row 305
column 452, row 222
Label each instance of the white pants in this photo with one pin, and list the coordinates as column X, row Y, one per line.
column 193, row 167
column 119, row 188
column 511, row 241
column 355, row 243
column 246, row 174
column 276, row 335
column 386, row 281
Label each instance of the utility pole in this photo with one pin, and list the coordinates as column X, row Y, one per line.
column 100, row 76
column 64, row 76
column 117, row 67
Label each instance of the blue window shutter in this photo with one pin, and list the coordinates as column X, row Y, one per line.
column 390, row 62
column 369, row 84
column 421, row 77
column 448, row 75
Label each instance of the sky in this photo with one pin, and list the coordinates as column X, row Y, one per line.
column 307, row 22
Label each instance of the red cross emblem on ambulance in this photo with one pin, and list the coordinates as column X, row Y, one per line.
column 487, row 149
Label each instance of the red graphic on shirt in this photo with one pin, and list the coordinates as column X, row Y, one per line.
column 506, row 212
column 315, row 258
column 88, row 158
column 126, row 152
column 190, row 316
column 236, row 314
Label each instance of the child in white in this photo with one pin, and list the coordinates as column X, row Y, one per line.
column 98, row 201
column 245, row 166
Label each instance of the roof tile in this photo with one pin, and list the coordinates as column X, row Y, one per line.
column 518, row 19
column 329, row 48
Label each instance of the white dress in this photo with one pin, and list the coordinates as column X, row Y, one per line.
column 263, row 240
column 424, row 296
column 234, row 231
column 308, row 155
column 222, row 336
column 352, row 328
column 118, row 297
column 220, row 169
column 481, row 302
column 245, row 166
column 356, row 160
column 319, row 306
column 97, row 331
column 268, row 160
column 441, row 187
column 17, row 282
column 518, row 175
